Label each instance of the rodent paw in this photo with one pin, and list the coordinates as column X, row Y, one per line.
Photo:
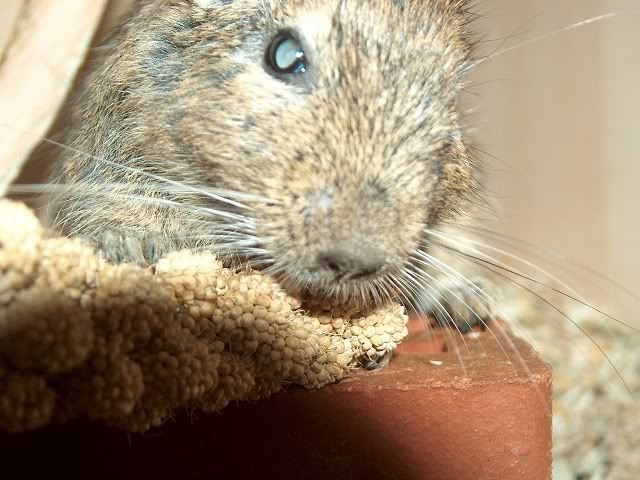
column 378, row 363
column 119, row 247
column 464, row 306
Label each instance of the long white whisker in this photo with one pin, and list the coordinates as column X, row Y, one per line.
column 493, row 267
column 548, row 253
column 582, row 23
column 446, row 269
column 575, row 296
column 39, row 188
column 418, row 287
column 148, row 174
column 448, row 291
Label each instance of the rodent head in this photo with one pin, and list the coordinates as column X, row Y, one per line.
column 358, row 147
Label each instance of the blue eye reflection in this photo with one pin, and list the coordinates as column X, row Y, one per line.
column 286, row 55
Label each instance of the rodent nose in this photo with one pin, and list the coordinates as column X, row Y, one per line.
column 350, row 264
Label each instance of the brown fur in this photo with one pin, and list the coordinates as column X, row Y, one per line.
column 363, row 151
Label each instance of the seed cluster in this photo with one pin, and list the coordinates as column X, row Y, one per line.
column 81, row 338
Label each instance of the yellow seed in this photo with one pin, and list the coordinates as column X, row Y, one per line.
column 275, row 355
column 292, row 342
column 261, row 325
column 263, row 300
column 264, row 349
column 287, row 353
column 309, row 351
column 275, row 306
column 260, row 311
column 265, row 338
column 210, row 294
column 297, row 370
column 247, row 320
column 237, row 335
column 251, row 345
column 206, row 309
column 397, row 337
column 389, row 327
column 324, row 377
column 344, row 360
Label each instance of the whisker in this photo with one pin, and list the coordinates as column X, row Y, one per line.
column 442, row 287
column 539, row 38
column 574, row 296
column 444, row 268
column 148, row 174
column 39, row 188
column 493, row 267
column 549, row 253
column 414, row 292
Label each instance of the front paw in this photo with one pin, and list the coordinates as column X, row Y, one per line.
column 117, row 246
column 378, row 363
column 462, row 305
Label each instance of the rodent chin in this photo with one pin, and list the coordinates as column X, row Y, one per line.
column 371, row 290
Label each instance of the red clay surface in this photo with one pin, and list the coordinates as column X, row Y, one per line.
column 423, row 417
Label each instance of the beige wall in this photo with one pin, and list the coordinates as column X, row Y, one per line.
column 563, row 114
column 622, row 137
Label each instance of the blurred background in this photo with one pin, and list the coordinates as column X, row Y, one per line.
column 561, row 114
column 556, row 116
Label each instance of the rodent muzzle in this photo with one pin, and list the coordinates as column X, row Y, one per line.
column 350, row 263
column 341, row 240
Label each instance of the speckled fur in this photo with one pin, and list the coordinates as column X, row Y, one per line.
column 364, row 150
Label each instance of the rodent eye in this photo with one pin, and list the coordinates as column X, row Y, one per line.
column 285, row 54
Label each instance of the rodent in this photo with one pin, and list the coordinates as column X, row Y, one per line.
column 331, row 128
